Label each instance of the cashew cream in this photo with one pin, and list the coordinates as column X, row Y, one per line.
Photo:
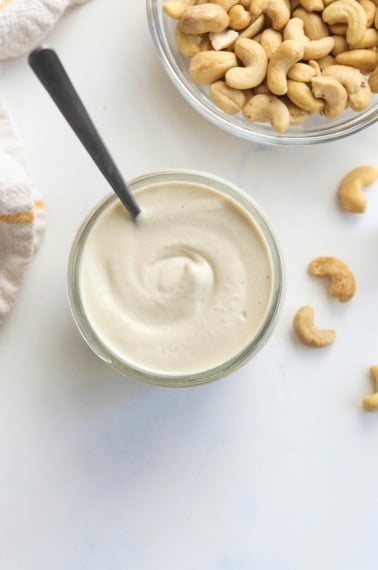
column 182, row 290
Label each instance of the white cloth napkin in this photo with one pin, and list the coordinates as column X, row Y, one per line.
column 23, row 24
column 22, row 214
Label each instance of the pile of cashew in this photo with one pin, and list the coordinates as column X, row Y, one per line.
column 353, row 199
column 342, row 286
column 342, row 281
column 279, row 61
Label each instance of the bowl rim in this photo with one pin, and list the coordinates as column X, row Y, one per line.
column 207, row 109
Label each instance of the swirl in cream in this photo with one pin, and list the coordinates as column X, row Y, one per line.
column 182, row 290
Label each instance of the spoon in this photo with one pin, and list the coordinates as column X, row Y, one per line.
column 48, row 68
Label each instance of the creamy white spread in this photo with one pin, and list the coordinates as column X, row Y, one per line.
column 182, row 290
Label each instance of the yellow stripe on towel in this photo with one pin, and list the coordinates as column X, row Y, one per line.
column 23, row 218
column 4, row 3
column 39, row 204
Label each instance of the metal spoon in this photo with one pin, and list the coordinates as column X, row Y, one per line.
column 48, row 68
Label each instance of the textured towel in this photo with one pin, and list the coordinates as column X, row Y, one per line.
column 22, row 215
column 23, row 24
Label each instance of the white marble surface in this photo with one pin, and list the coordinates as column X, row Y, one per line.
column 274, row 468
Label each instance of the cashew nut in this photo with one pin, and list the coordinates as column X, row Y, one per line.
column 267, row 109
column 277, row 10
column 338, row 29
column 359, row 93
column 360, row 100
column 301, row 72
column 301, row 95
column 307, row 332
column 223, row 40
column 316, row 49
column 370, row 403
column 364, row 59
column 226, row 4
column 270, row 41
column 176, row 8
column 230, row 100
column 315, row 66
column 294, row 30
column 349, row 12
column 255, row 60
column 340, row 45
column 369, row 39
column 350, row 189
column 288, row 53
column 325, row 61
column 240, row 18
column 254, row 27
column 186, row 43
column 313, row 49
column 333, row 93
column 370, row 9
column 313, row 25
column 204, row 18
column 373, row 80
column 297, row 115
column 209, row 66
column 343, row 283
column 312, row 5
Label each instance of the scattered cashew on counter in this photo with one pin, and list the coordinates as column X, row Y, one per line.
column 370, row 403
column 313, row 56
column 343, row 282
column 353, row 200
column 342, row 286
column 350, row 192
column 308, row 333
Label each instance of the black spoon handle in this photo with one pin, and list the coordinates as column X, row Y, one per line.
column 48, row 68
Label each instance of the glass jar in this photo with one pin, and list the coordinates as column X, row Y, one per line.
column 267, row 323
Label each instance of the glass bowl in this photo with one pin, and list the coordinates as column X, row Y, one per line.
column 266, row 234
column 316, row 129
